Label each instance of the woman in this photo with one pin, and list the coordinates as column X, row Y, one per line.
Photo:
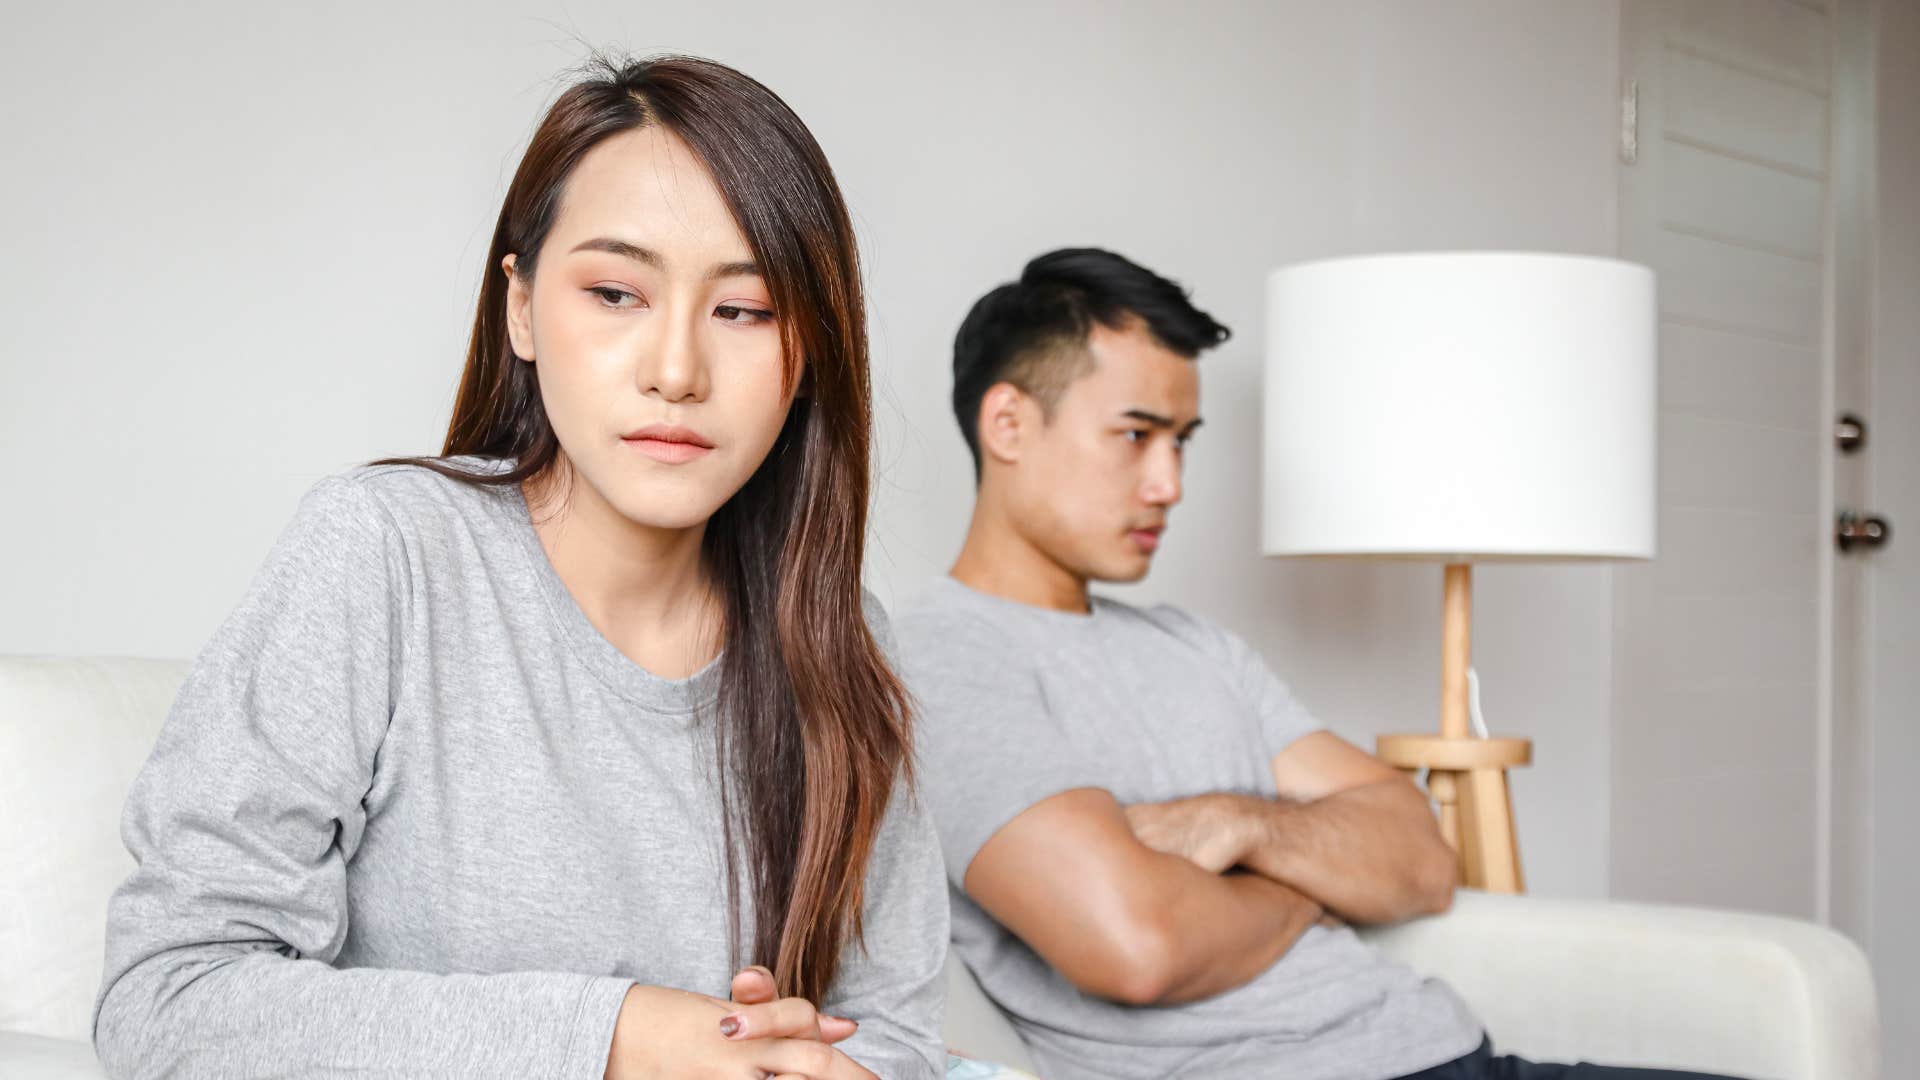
column 510, row 758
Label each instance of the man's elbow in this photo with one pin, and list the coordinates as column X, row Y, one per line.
column 1136, row 963
column 1434, row 881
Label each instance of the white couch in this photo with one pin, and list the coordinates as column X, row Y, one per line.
column 1748, row 995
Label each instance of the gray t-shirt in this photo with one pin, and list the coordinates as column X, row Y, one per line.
column 1020, row 703
column 412, row 815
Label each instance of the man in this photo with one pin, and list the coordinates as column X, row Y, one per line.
column 1155, row 853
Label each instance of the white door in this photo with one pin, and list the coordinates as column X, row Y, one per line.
column 1719, row 695
column 1874, row 863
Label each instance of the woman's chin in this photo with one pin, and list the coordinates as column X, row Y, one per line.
column 664, row 514
column 676, row 501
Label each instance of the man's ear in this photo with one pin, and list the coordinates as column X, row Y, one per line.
column 1007, row 419
column 519, row 309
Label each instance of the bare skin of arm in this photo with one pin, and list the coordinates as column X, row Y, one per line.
column 1121, row 920
column 667, row 1032
column 1347, row 830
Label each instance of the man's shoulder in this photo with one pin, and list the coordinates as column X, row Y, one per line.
column 941, row 617
column 1162, row 618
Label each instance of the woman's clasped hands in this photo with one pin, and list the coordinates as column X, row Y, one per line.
column 665, row 1033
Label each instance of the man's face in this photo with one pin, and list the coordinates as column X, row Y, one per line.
column 1092, row 487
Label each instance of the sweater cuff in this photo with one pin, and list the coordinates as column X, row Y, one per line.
column 593, row 1020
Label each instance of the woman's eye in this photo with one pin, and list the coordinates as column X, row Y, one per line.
column 1135, row 435
column 615, row 298
column 745, row 316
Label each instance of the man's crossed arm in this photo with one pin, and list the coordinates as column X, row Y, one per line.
column 1169, row 902
column 1347, row 830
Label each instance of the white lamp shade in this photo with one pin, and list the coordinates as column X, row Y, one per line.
column 1462, row 406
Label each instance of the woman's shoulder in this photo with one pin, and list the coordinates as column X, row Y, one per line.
column 879, row 624
column 406, row 498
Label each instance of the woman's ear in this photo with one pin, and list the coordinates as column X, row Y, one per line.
column 1006, row 414
column 519, row 307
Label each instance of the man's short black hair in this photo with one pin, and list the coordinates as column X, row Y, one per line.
column 1033, row 332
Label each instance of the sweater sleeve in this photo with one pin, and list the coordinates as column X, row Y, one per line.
column 894, row 981
column 242, row 823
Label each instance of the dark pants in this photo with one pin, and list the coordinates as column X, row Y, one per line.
column 1483, row 1065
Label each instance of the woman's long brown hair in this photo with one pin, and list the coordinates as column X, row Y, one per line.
column 812, row 726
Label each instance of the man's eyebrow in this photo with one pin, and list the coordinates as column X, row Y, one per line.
column 1145, row 417
column 1156, row 420
column 627, row 249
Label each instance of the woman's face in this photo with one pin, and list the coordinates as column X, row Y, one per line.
column 653, row 335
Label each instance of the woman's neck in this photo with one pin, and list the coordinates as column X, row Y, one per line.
column 645, row 589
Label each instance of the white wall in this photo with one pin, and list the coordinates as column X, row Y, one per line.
column 1716, row 722
column 242, row 244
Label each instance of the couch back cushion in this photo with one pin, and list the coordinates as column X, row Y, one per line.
column 73, row 732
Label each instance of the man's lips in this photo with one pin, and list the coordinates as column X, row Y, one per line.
column 667, row 443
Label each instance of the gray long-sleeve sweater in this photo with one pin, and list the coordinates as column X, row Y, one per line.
column 411, row 815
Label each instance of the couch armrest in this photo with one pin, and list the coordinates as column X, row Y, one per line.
column 1636, row 984
column 38, row 1057
column 974, row 1025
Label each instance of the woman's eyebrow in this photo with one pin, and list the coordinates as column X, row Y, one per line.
column 627, row 249
column 745, row 268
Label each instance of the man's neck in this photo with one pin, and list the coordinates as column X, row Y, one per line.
column 998, row 561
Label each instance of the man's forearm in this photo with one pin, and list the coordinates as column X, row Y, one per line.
column 1369, row 854
column 1223, row 930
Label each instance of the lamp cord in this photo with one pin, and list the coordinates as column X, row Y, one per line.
column 1473, row 703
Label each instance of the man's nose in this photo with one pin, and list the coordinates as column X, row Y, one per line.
column 1162, row 486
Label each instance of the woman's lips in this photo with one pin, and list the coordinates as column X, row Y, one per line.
column 669, row 445
column 1145, row 539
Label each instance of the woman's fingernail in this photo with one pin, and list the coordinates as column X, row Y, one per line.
column 730, row 1026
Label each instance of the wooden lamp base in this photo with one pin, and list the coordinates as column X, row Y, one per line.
column 1466, row 775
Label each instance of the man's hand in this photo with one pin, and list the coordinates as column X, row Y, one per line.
column 1213, row 831
column 1121, row 920
column 1346, row 830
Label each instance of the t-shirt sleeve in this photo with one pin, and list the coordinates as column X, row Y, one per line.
column 1283, row 719
column 989, row 744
